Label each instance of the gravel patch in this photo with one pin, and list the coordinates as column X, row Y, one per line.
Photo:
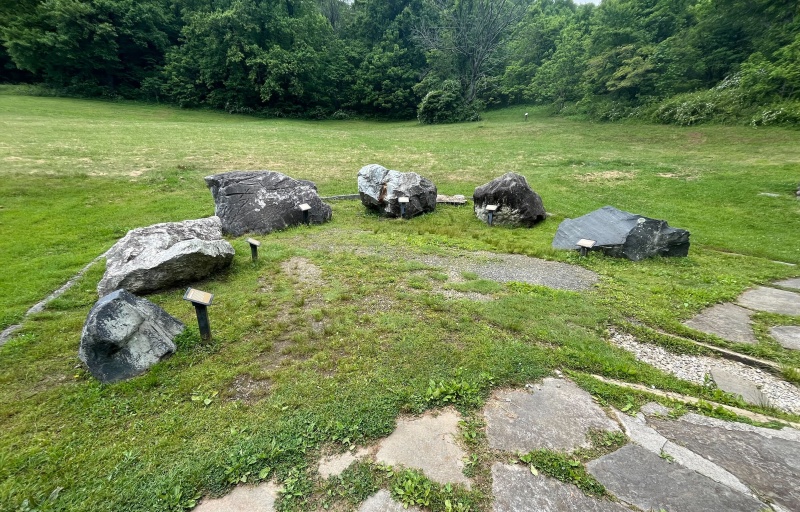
column 505, row 268
column 502, row 268
column 780, row 394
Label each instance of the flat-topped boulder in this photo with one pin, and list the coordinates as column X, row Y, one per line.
column 517, row 203
column 380, row 190
column 456, row 200
column 264, row 201
column 163, row 255
column 623, row 234
column 124, row 335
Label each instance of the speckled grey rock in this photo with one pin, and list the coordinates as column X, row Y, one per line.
column 163, row 255
column 770, row 466
column 243, row 498
column 382, row 501
column 645, row 480
column 787, row 335
column 515, row 489
column 427, row 443
column 124, row 335
column 263, row 201
column 771, row 301
column 380, row 189
column 518, row 204
column 728, row 321
column 622, row 234
column 556, row 415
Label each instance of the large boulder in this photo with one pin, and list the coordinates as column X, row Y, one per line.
column 622, row 234
column 124, row 335
column 517, row 204
column 264, row 201
column 164, row 255
column 380, row 188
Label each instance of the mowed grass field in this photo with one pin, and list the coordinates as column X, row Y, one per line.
column 302, row 367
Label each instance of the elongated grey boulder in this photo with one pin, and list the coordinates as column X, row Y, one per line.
column 622, row 234
column 264, row 201
column 124, row 335
column 517, row 203
column 164, row 255
column 380, row 188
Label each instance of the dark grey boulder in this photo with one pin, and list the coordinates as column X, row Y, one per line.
column 380, row 188
column 264, row 201
column 518, row 204
column 622, row 234
column 124, row 335
column 163, row 255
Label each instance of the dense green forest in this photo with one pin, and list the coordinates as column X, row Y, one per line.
column 671, row 61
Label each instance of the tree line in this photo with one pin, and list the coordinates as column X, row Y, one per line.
column 673, row 61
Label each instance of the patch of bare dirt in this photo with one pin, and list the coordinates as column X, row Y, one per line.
column 696, row 138
column 606, row 176
column 685, row 176
column 246, row 389
column 304, row 271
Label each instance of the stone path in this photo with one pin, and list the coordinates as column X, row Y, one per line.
column 731, row 322
column 692, row 463
column 699, row 369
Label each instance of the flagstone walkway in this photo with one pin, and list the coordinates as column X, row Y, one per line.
column 687, row 463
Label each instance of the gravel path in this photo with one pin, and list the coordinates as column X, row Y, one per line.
column 504, row 268
column 781, row 394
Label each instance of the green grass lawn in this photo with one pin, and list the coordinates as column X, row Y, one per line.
column 296, row 369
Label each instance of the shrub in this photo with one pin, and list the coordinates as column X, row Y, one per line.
column 718, row 104
column 780, row 114
column 445, row 105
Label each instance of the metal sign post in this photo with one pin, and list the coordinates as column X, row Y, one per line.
column 201, row 300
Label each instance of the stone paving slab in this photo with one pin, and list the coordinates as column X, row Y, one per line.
column 771, row 300
column 516, row 489
column 382, row 501
column 736, row 385
column 244, row 498
column 787, row 335
column 645, row 480
column 645, row 436
column 728, row 321
column 770, row 466
column 787, row 433
column 334, row 465
column 557, row 415
column 790, row 283
column 427, row 443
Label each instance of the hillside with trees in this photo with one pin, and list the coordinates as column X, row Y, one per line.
column 668, row 61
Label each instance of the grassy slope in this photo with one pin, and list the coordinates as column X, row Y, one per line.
column 311, row 366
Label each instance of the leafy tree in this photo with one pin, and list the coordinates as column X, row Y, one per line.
column 91, row 46
column 472, row 32
column 250, row 54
